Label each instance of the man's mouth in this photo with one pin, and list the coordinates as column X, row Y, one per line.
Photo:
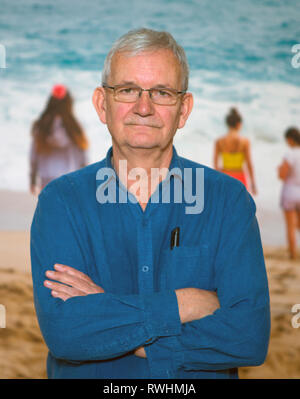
column 138, row 124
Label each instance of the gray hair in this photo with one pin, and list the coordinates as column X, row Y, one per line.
column 139, row 40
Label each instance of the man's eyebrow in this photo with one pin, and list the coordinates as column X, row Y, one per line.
column 131, row 83
column 160, row 86
column 127, row 82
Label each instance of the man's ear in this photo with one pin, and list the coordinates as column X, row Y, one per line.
column 99, row 101
column 186, row 108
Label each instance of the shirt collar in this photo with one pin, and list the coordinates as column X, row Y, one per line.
column 176, row 165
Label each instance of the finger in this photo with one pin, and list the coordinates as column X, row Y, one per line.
column 71, row 280
column 81, row 285
column 140, row 352
column 60, row 295
column 79, row 279
column 62, row 288
column 72, row 271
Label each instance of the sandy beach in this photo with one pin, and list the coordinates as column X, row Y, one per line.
column 23, row 351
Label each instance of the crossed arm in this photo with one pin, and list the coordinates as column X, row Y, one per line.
column 193, row 303
column 78, row 326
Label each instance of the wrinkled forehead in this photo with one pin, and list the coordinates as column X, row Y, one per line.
column 159, row 65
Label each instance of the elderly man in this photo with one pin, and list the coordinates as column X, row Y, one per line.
column 126, row 283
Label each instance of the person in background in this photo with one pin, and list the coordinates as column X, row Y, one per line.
column 289, row 172
column 235, row 152
column 59, row 143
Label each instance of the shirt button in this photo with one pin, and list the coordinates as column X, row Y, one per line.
column 145, row 269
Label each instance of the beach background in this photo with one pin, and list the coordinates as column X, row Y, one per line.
column 240, row 54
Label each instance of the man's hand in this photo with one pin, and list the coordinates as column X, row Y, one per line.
column 195, row 303
column 140, row 352
column 72, row 283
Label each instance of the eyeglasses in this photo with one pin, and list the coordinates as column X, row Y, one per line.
column 130, row 94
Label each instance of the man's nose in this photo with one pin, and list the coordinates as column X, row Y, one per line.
column 144, row 105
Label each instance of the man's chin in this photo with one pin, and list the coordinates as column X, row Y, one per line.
column 144, row 145
column 143, row 142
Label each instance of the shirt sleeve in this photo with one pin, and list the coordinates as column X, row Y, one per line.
column 96, row 326
column 237, row 334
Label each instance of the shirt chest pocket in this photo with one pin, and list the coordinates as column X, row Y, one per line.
column 184, row 267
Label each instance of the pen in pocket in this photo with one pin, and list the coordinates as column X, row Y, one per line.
column 175, row 237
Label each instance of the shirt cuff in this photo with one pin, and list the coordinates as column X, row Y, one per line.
column 162, row 314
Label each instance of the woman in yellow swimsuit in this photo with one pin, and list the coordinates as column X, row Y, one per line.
column 234, row 152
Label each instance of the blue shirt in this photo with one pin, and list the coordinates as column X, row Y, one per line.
column 127, row 252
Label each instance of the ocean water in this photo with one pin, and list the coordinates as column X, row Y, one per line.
column 240, row 54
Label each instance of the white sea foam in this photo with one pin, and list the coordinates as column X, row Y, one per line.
column 268, row 108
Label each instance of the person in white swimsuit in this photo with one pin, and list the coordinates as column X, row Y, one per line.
column 59, row 144
column 289, row 172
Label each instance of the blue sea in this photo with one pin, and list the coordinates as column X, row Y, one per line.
column 240, row 54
